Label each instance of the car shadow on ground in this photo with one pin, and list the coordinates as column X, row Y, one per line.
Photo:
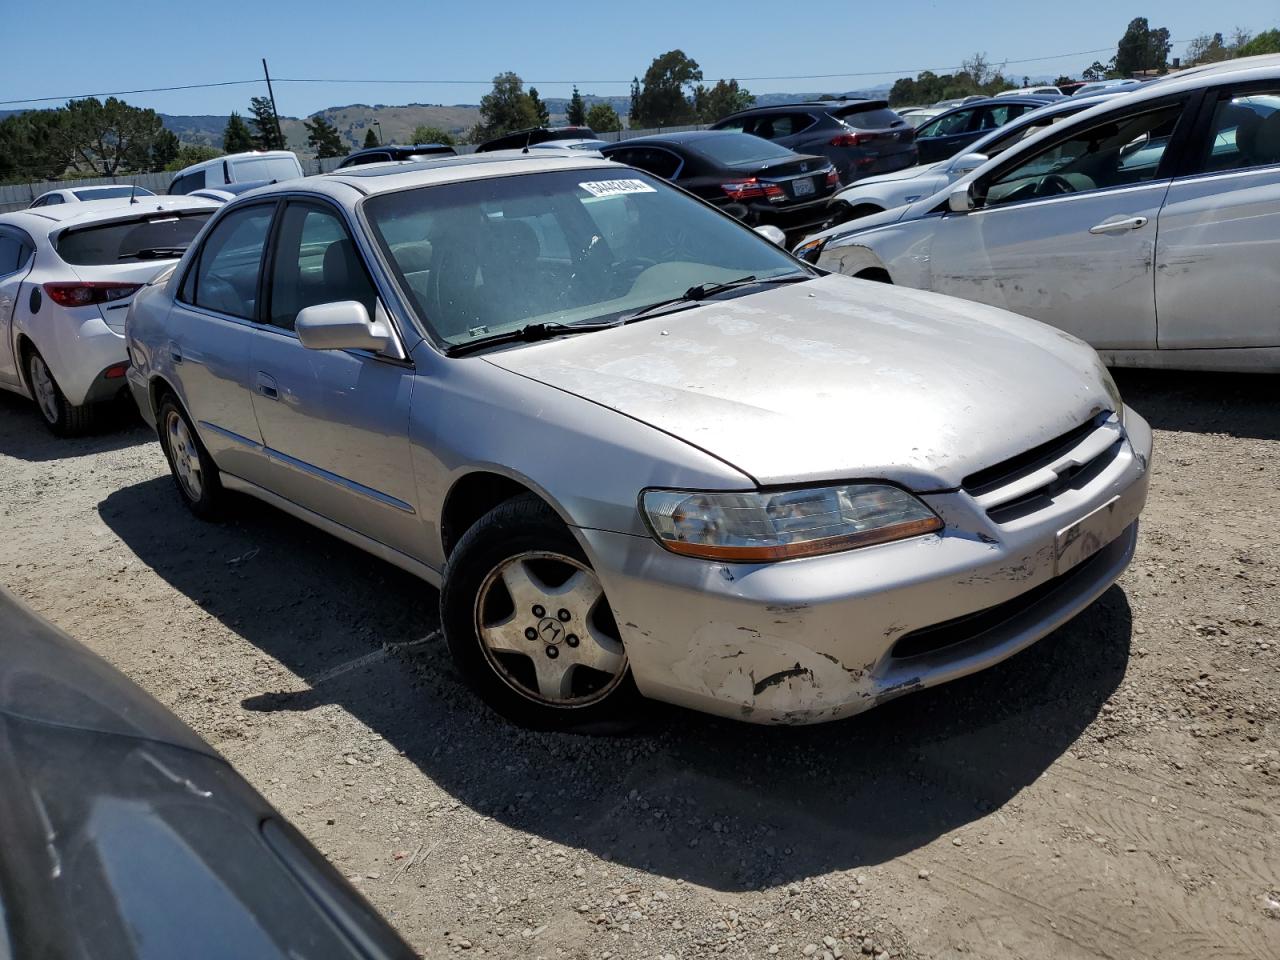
column 24, row 435
column 1235, row 404
column 718, row 803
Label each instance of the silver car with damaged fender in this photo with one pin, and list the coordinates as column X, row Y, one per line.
column 641, row 449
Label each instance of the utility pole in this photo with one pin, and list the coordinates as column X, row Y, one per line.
column 276, row 113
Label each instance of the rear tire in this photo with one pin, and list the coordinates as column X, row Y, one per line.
column 845, row 213
column 194, row 472
column 528, row 624
column 63, row 418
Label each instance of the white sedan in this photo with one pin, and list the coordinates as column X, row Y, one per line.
column 67, row 276
column 114, row 191
column 1145, row 225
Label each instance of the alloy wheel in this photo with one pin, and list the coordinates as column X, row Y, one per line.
column 45, row 389
column 546, row 630
column 186, row 458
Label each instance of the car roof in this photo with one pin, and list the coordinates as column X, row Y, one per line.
column 1038, row 100
column 223, row 158
column 375, row 178
column 47, row 219
column 869, row 102
column 681, row 137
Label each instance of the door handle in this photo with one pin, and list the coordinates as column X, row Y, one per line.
column 267, row 386
column 175, row 353
column 1118, row 226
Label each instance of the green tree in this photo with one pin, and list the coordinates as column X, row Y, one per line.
column 1063, row 79
column 576, row 112
column 726, row 97
column 505, row 108
column 266, row 125
column 1266, row 42
column 425, row 134
column 109, row 136
column 1142, row 49
column 540, row 108
column 371, row 138
column 32, row 146
column 236, row 137
column 632, row 102
column 324, row 139
column 192, row 153
column 602, row 118
column 1094, row 72
column 164, row 151
column 662, row 101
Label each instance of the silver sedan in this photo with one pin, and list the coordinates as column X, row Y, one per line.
column 640, row 449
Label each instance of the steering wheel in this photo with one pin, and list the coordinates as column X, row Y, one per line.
column 1054, row 185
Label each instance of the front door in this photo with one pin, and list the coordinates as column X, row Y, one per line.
column 335, row 422
column 16, row 251
column 214, row 318
column 1066, row 234
column 1218, row 255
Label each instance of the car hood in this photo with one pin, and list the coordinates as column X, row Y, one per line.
column 836, row 378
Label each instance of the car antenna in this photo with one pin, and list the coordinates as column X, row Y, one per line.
column 528, row 138
column 133, row 192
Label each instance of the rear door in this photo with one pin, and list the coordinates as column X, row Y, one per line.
column 16, row 257
column 1067, row 232
column 1218, row 252
column 212, row 324
column 335, row 423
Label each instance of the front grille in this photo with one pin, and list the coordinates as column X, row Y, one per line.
column 949, row 633
column 1031, row 480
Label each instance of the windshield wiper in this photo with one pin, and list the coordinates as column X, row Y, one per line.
column 702, row 291
column 529, row 333
column 153, row 253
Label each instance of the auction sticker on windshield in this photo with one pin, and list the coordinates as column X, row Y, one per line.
column 616, row 188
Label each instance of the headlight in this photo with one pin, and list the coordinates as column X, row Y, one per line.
column 778, row 525
column 810, row 250
column 1109, row 384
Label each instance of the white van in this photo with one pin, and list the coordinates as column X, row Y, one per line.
column 256, row 166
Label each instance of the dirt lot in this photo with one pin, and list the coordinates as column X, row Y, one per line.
column 1112, row 792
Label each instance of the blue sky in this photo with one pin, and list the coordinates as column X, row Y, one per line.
column 127, row 45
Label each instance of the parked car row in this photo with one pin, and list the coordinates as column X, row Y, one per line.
column 1143, row 224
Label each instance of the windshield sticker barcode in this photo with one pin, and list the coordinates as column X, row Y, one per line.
column 615, row 188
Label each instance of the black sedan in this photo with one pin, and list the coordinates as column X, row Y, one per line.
column 756, row 181
column 396, row 151
column 948, row 133
column 124, row 835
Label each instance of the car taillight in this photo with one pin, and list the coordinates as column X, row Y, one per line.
column 851, row 139
column 743, row 189
column 833, row 178
column 86, row 293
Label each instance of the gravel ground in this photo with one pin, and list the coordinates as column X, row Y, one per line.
column 1112, row 792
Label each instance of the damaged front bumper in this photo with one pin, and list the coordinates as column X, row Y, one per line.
column 815, row 639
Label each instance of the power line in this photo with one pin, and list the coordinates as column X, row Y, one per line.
column 122, row 93
column 899, row 71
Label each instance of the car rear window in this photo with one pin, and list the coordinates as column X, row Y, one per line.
column 877, row 118
column 267, row 168
column 738, row 149
column 111, row 193
column 163, row 237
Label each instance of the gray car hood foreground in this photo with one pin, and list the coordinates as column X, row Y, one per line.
column 836, row 378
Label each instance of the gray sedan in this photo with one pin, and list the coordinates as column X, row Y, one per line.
column 640, row 449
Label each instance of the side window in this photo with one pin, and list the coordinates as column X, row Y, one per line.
column 316, row 261
column 56, row 199
column 11, row 255
column 1112, row 153
column 947, row 124
column 1245, row 132
column 225, row 276
column 42, row 201
column 737, row 126
column 998, row 116
column 658, row 162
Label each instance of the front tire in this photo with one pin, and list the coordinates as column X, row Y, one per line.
column 63, row 418
column 528, row 624
column 194, row 472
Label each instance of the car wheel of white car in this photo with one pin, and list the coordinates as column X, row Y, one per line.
column 64, row 419
column 193, row 469
column 528, row 623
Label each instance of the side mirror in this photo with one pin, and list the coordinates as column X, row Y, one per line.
column 968, row 162
column 961, row 199
column 771, row 233
column 342, row 325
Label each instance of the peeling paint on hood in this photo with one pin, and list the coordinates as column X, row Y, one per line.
column 835, row 378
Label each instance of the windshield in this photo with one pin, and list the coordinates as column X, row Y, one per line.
column 738, row 149
column 267, row 168
column 483, row 257
column 130, row 241
column 110, row 193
